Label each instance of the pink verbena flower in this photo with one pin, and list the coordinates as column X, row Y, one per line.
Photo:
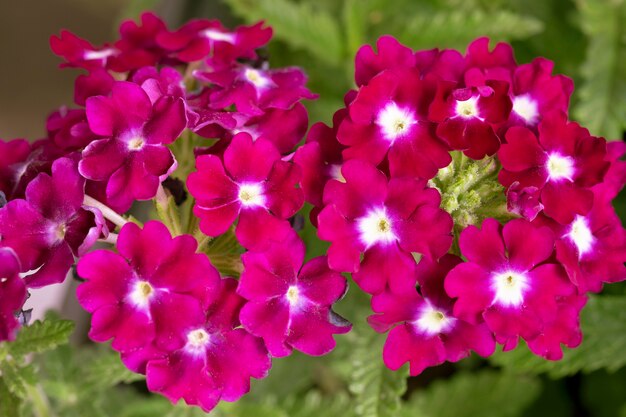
column 12, row 293
column 466, row 116
column 481, row 64
column 132, row 158
column 13, row 164
column 154, row 288
column 215, row 358
column 508, row 281
column 592, row 248
column 284, row 128
column 253, row 90
column 202, row 38
column 387, row 119
column 97, row 83
column 252, row 184
column 79, row 53
column 424, row 332
column 290, row 305
column 563, row 162
column 391, row 54
column 69, row 130
column 385, row 221
column 138, row 45
column 51, row 226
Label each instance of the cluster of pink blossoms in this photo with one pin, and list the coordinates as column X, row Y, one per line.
column 452, row 187
column 196, row 335
column 458, row 194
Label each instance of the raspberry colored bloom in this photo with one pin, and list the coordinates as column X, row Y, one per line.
column 51, row 226
column 506, row 281
column 385, row 221
column 132, row 158
column 252, row 184
column 423, row 330
column 254, row 90
column 215, row 359
column 536, row 92
column 388, row 117
column 290, row 305
column 466, row 116
column 563, row 329
column 69, row 130
column 563, row 162
column 154, row 288
column 200, row 38
column 391, row 54
column 97, row 83
column 481, row 64
column 12, row 293
column 13, row 157
column 138, row 45
column 79, row 53
column 592, row 248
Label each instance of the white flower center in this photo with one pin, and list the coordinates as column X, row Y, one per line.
column 395, row 121
column 251, row 195
column 376, row 227
column 219, row 36
column 509, row 288
column 257, row 78
column 293, row 295
column 468, row 108
column 433, row 321
column 560, row 167
column 141, row 294
column 581, row 235
column 526, row 108
column 60, row 232
column 102, row 54
column 136, row 143
column 334, row 170
column 197, row 340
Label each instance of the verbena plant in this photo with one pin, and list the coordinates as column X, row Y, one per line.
column 468, row 208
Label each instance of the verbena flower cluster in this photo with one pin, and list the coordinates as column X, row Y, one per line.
column 458, row 194
column 453, row 188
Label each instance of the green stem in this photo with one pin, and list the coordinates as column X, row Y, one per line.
column 39, row 399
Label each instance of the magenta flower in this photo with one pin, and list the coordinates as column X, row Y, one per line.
column 215, row 359
column 536, row 92
column 284, row 128
column 424, row 331
column 97, row 83
column 69, row 130
column 481, row 64
column 290, row 305
column 507, row 281
column 385, row 221
column 563, row 163
column 467, row 116
column 133, row 158
column 320, row 159
column 253, row 90
column 388, row 117
column 79, row 53
column 592, row 248
column 13, row 164
column 138, row 45
column 51, row 226
column 201, row 38
column 391, row 54
column 563, row 329
column 252, row 184
column 12, row 293
column 154, row 288
column 445, row 64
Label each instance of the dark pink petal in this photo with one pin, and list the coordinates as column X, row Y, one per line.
column 521, row 150
column 391, row 54
column 99, row 290
column 403, row 346
column 101, row 158
column 270, row 320
column 484, row 246
column 319, row 283
column 257, row 229
column 312, row 330
column 527, row 245
column 470, row 284
column 167, row 122
column 247, row 160
column 564, row 201
column 283, row 198
column 385, row 266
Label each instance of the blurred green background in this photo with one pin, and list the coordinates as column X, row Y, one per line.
column 587, row 41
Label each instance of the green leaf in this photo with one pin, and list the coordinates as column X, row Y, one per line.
column 41, row 336
column 9, row 403
column 376, row 388
column 17, row 379
column 299, row 24
column 426, row 30
column 106, row 371
column 314, row 404
column 601, row 105
column 225, row 254
column 603, row 322
column 484, row 394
